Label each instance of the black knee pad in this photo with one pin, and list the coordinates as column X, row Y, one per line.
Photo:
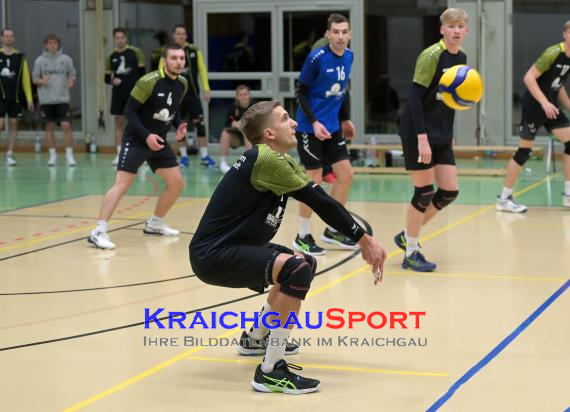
column 443, row 198
column 295, row 277
column 567, row 148
column 312, row 263
column 521, row 155
column 200, row 126
column 422, row 197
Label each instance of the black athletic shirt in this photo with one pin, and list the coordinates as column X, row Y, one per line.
column 425, row 112
column 127, row 65
column 248, row 205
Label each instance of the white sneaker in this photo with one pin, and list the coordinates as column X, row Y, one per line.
column 509, row 205
column 100, row 239
column 224, row 167
column 10, row 161
column 565, row 200
column 70, row 161
column 115, row 161
column 159, row 229
column 52, row 160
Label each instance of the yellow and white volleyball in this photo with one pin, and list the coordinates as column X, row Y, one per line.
column 461, row 87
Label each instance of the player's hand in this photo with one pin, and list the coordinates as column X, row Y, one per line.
column 116, row 81
column 207, row 96
column 155, row 142
column 70, row 83
column 181, row 131
column 550, row 110
column 348, row 130
column 374, row 254
column 44, row 79
column 321, row 131
column 424, row 149
column 31, row 106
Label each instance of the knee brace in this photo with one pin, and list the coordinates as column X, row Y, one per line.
column 521, row 155
column 422, row 197
column 295, row 277
column 443, row 198
column 312, row 263
column 567, row 148
column 200, row 126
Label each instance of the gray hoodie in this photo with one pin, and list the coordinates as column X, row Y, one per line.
column 60, row 67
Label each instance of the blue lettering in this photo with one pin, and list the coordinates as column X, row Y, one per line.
column 198, row 319
column 245, row 319
column 292, row 320
column 223, row 324
column 274, row 323
column 308, row 320
column 172, row 318
column 152, row 318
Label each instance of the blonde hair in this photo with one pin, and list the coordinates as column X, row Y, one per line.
column 452, row 14
column 567, row 25
column 255, row 120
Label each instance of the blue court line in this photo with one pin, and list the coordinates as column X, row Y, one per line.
column 498, row 349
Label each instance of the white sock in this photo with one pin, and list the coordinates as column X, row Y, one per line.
column 9, row 153
column 261, row 330
column 506, row 192
column 204, row 151
column 190, row 140
column 304, row 226
column 567, row 187
column 411, row 244
column 183, row 151
column 332, row 229
column 155, row 220
column 102, row 226
column 223, row 159
column 275, row 350
column 52, row 152
column 69, row 151
column 118, row 149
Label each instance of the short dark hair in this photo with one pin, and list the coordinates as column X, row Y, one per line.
column 254, row 120
column 52, row 36
column 336, row 18
column 170, row 46
column 180, row 26
column 119, row 30
column 162, row 37
column 5, row 29
column 242, row 87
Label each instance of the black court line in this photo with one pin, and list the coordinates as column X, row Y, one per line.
column 183, row 232
column 217, row 305
column 44, row 203
column 64, row 243
column 65, row 217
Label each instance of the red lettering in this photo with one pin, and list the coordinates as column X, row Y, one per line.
column 335, row 318
column 373, row 326
column 417, row 315
column 398, row 317
column 355, row 317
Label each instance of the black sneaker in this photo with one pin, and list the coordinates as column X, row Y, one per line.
column 249, row 346
column 339, row 239
column 417, row 262
column 307, row 245
column 401, row 242
column 284, row 381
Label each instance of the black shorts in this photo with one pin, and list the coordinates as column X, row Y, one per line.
column 13, row 109
column 191, row 109
column 314, row 152
column 135, row 152
column 238, row 266
column 236, row 137
column 118, row 103
column 533, row 118
column 55, row 112
column 441, row 154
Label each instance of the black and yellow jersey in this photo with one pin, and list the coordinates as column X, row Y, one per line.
column 157, row 98
column 194, row 68
column 554, row 66
column 15, row 83
column 437, row 117
column 127, row 65
column 248, row 205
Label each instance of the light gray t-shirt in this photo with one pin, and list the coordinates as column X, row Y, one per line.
column 60, row 67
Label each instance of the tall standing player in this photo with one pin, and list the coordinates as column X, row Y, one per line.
column 541, row 107
column 122, row 70
column 321, row 93
column 426, row 131
column 232, row 248
column 151, row 110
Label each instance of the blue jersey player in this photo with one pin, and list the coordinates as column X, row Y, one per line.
column 323, row 120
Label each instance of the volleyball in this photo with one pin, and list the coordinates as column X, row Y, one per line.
column 461, row 87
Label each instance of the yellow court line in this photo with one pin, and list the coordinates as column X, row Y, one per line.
column 184, row 355
column 328, row 367
column 473, row 276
